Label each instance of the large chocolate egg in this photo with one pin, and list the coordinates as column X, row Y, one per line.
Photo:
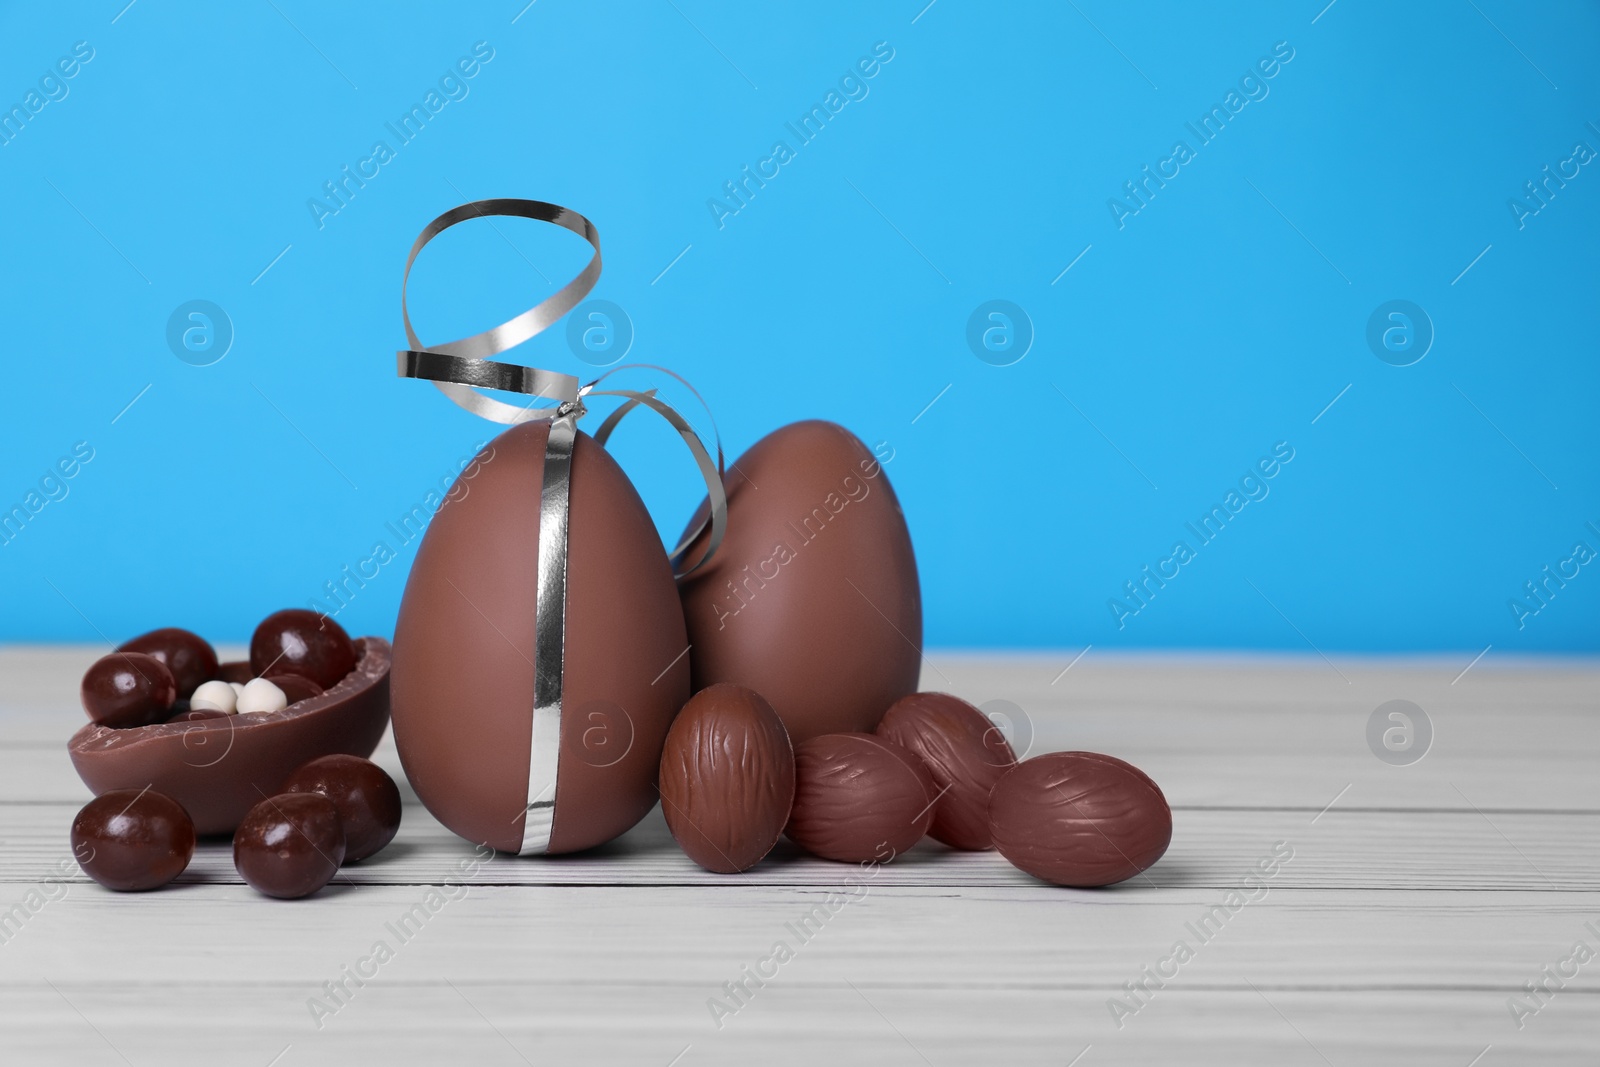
column 465, row 655
column 812, row 600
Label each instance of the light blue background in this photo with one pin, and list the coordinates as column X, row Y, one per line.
column 1221, row 319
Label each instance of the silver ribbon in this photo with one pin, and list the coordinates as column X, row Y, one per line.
column 460, row 369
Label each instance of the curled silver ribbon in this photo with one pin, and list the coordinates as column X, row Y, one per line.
column 460, row 369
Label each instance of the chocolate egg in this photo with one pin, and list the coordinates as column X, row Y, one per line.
column 189, row 657
column 858, row 797
column 465, row 655
column 966, row 754
column 727, row 778
column 1079, row 818
column 812, row 600
column 219, row 768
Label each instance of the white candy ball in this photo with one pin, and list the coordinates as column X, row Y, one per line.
column 238, row 688
column 217, row 696
column 261, row 695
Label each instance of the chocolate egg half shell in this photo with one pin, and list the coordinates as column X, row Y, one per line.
column 219, row 768
column 812, row 600
column 465, row 655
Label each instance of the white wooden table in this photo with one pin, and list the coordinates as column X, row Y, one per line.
column 1419, row 903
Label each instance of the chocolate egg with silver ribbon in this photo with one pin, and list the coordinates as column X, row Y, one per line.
column 490, row 764
column 539, row 654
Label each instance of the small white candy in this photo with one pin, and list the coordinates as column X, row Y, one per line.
column 238, row 689
column 261, row 695
column 217, row 696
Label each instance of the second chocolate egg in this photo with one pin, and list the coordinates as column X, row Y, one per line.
column 812, row 600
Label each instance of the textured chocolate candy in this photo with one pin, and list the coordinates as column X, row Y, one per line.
column 465, row 651
column 366, row 797
column 812, row 600
column 128, row 689
column 219, row 768
column 964, row 752
column 858, row 797
column 1079, row 818
column 297, row 641
column 289, row 845
column 133, row 839
column 727, row 778
column 189, row 657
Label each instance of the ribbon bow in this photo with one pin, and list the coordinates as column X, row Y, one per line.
column 459, row 369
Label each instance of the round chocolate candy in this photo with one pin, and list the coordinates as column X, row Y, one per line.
column 1079, row 818
column 294, row 687
column 290, row 845
column 366, row 797
column 812, row 600
column 966, row 754
column 235, row 672
column 127, row 689
column 858, row 797
column 727, row 778
column 297, row 641
column 487, row 763
column 133, row 839
column 189, row 657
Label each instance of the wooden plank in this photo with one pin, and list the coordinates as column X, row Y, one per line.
column 1341, row 849
column 893, row 936
column 615, row 976
column 497, row 1023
